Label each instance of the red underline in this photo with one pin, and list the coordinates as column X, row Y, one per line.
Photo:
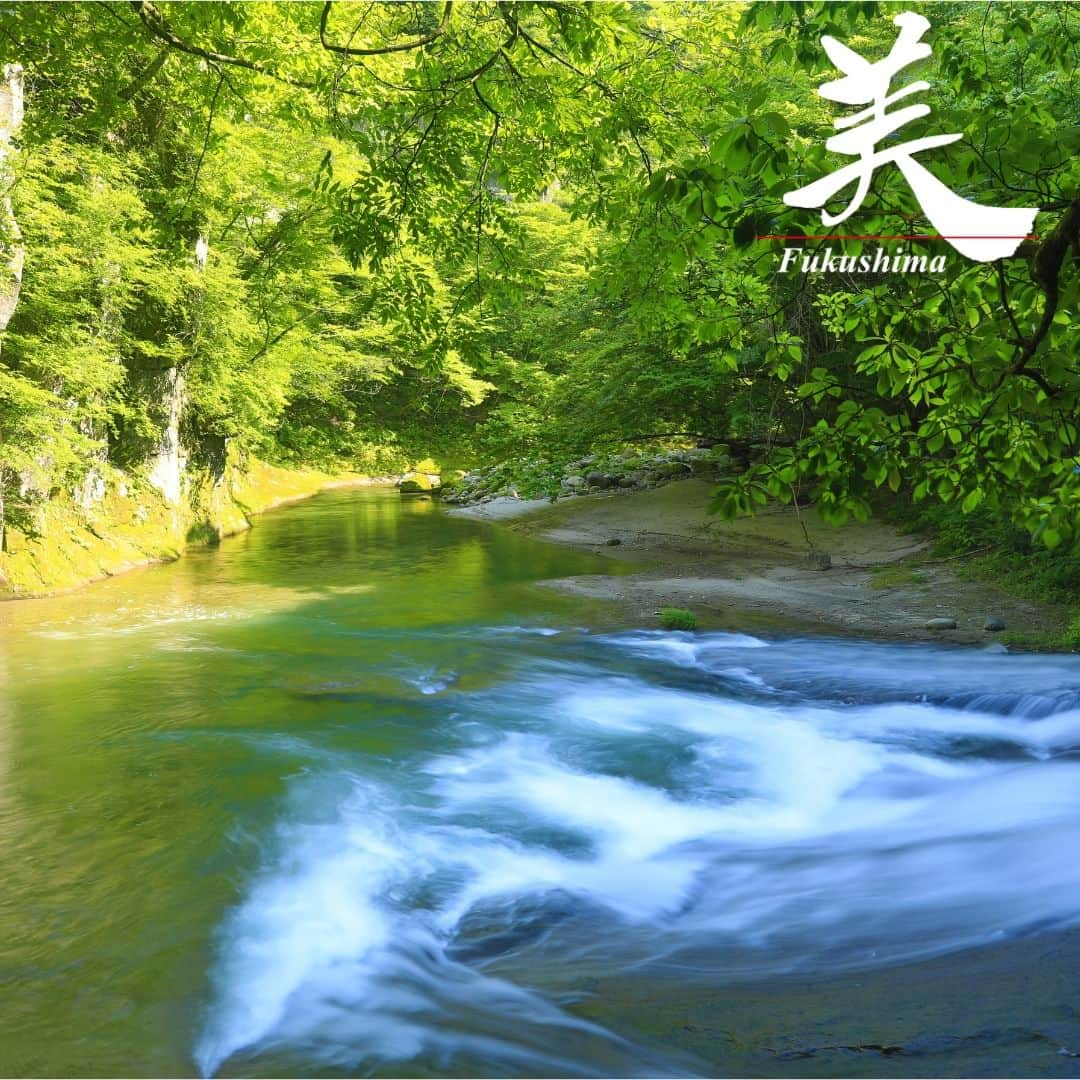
column 921, row 236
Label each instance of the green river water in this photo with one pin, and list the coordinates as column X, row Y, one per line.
column 352, row 794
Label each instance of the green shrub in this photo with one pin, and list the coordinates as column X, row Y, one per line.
column 676, row 618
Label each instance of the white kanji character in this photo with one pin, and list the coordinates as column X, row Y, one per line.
column 982, row 233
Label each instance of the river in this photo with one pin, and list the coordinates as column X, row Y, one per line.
column 350, row 793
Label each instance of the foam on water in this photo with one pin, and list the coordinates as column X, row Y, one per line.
column 647, row 802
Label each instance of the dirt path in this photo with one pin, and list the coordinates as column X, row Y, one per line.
column 757, row 572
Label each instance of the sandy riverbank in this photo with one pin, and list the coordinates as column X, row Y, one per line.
column 755, row 572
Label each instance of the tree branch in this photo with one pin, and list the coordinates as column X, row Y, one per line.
column 144, row 77
column 405, row 46
column 205, row 144
column 156, row 23
column 1045, row 270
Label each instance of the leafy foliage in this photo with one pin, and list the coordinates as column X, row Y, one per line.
column 498, row 231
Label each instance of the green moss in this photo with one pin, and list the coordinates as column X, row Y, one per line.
column 203, row 532
column 415, row 485
column 673, row 618
column 133, row 525
column 890, row 577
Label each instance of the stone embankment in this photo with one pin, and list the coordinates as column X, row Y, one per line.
column 629, row 470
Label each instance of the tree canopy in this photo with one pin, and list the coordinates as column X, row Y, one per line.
column 367, row 232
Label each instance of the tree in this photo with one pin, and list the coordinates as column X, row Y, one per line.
column 961, row 386
column 383, row 267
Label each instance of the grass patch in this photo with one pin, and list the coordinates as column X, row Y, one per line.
column 1035, row 575
column 677, row 618
column 891, row 577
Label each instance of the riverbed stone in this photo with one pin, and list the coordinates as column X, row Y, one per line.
column 573, row 483
column 669, row 469
column 598, row 479
column 994, row 623
column 818, row 560
column 941, row 624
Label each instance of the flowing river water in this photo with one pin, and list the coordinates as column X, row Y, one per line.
column 351, row 794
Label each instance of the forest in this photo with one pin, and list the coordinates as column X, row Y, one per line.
column 676, row 669
column 358, row 235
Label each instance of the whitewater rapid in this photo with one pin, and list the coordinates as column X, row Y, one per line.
column 706, row 807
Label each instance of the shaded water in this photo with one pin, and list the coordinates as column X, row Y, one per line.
column 349, row 794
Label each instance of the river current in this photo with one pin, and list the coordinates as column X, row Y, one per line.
column 351, row 794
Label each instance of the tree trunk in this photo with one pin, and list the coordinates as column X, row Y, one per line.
column 168, row 468
column 12, row 251
column 11, row 247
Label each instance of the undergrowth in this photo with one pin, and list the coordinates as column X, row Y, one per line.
column 1000, row 553
column 674, row 618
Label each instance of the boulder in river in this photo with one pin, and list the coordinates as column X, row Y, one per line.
column 941, row 624
column 415, row 484
column 994, row 623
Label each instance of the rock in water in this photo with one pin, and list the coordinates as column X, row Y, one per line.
column 940, row 624
column 818, row 560
column 416, row 484
column 994, row 623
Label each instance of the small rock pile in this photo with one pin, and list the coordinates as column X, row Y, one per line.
column 629, row 470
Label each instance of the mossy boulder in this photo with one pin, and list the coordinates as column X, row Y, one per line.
column 417, row 484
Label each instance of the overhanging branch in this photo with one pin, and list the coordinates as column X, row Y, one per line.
column 405, row 46
column 152, row 18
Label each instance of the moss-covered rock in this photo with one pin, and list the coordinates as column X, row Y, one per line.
column 415, row 484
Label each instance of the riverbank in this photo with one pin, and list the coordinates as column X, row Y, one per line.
column 132, row 524
column 763, row 572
